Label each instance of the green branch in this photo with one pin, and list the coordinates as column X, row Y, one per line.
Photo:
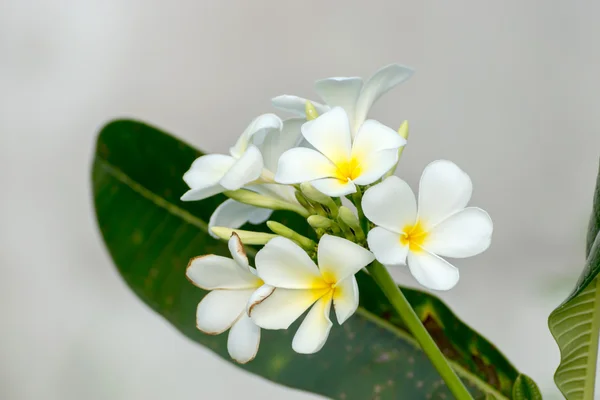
column 382, row 277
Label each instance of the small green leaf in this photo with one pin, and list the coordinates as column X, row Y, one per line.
column 525, row 389
column 575, row 324
column 151, row 235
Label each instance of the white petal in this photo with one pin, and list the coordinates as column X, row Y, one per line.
column 245, row 170
column 236, row 248
column 372, row 137
column 432, row 271
column 280, row 308
column 386, row 246
column 339, row 258
column 376, row 165
column 464, row 234
column 334, row 187
column 203, row 193
column 207, row 170
column 216, row 272
column 385, row 79
column 444, row 189
column 345, row 299
column 390, row 204
column 219, row 309
column 314, row 330
column 243, row 340
column 303, row 165
column 282, row 263
column 258, row 129
column 259, row 215
column 277, row 142
column 296, row 105
column 330, row 134
column 232, row 214
column 340, row 92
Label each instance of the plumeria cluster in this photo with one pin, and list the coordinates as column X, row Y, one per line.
column 334, row 167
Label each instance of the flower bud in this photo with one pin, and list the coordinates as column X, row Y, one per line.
column 347, row 217
column 402, row 131
column 259, row 200
column 246, row 237
column 314, row 195
column 303, row 201
column 319, row 222
column 311, row 111
column 286, row 232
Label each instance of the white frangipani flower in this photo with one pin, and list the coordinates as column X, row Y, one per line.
column 340, row 162
column 232, row 282
column 349, row 93
column 215, row 173
column 293, row 283
column 232, row 214
column 440, row 226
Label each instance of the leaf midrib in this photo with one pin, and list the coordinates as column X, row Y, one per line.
column 161, row 202
column 590, row 380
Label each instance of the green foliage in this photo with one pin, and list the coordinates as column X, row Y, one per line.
column 151, row 235
column 526, row 389
column 575, row 324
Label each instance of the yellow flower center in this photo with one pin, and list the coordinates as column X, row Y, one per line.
column 414, row 236
column 348, row 170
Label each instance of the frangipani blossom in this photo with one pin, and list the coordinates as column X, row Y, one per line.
column 349, row 93
column 340, row 162
column 215, row 173
column 440, row 226
column 293, row 283
column 232, row 214
column 232, row 282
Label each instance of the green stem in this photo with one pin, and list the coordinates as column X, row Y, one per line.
column 357, row 201
column 382, row 277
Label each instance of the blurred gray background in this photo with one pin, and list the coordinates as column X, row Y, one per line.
column 508, row 90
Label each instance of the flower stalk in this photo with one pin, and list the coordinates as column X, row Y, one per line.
column 397, row 299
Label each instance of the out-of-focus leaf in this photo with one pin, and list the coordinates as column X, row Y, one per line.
column 151, row 235
column 575, row 324
column 526, row 389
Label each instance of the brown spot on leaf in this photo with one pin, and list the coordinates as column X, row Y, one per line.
column 488, row 371
column 439, row 336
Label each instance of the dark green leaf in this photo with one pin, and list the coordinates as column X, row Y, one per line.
column 526, row 389
column 151, row 235
column 575, row 324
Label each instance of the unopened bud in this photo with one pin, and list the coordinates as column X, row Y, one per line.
column 294, row 236
column 314, row 195
column 403, row 132
column 246, row 237
column 259, row 200
column 302, row 200
column 311, row 111
column 348, row 218
column 319, row 222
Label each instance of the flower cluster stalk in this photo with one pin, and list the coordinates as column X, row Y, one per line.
column 397, row 299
